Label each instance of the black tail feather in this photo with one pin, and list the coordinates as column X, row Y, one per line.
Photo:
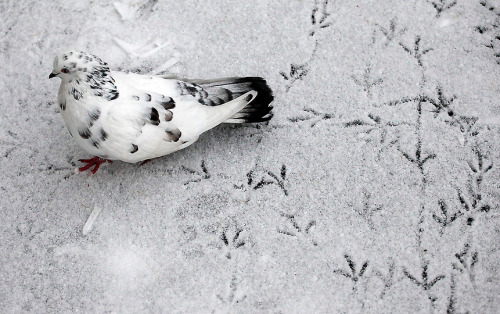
column 259, row 110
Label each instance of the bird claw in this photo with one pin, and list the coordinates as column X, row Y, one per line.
column 95, row 161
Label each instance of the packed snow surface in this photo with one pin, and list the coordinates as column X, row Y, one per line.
column 375, row 187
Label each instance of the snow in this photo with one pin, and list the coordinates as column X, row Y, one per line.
column 374, row 188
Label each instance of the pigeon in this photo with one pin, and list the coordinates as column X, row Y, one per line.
column 134, row 118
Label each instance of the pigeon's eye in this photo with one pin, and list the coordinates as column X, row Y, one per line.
column 64, row 70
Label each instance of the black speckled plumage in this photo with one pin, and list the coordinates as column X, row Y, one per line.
column 154, row 116
column 167, row 103
column 76, row 94
column 95, row 114
column 134, row 149
column 222, row 91
column 173, row 136
column 103, row 135
column 85, row 133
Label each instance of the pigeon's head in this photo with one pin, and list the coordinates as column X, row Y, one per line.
column 87, row 70
column 76, row 64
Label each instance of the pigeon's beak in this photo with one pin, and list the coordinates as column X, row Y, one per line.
column 51, row 75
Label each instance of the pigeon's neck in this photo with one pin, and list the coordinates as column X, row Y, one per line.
column 97, row 83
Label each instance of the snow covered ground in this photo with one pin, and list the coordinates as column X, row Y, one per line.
column 375, row 187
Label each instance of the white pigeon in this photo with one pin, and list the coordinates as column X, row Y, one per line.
column 132, row 118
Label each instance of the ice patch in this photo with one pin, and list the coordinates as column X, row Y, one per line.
column 167, row 65
column 126, row 10
column 88, row 225
column 146, row 50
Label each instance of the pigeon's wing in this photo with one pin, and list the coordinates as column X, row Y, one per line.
column 141, row 126
column 152, row 117
column 183, row 100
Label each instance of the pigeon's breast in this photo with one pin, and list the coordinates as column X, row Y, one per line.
column 82, row 116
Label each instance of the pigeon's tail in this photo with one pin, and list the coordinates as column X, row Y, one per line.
column 258, row 110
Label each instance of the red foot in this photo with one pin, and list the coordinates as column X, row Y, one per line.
column 96, row 161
